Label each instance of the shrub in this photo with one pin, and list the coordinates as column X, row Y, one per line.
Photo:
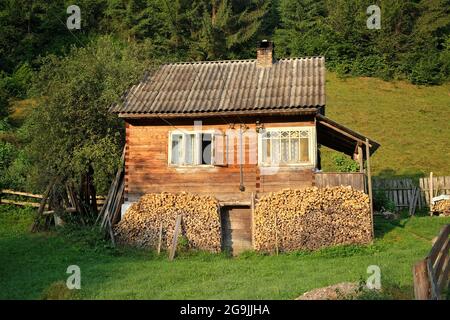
column 58, row 291
column 344, row 163
column 380, row 201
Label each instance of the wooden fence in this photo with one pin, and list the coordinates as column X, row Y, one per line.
column 440, row 185
column 431, row 273
column 406, row 193
column 354, row 179
column 402, row 192
column 6, row 194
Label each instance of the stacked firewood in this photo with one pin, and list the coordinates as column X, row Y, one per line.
column 442, row 207
column 154, row 217
column 312, row 218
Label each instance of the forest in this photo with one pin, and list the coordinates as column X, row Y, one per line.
column 56, row 84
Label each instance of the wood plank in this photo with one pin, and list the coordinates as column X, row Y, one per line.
column 19, row 193
column 21, row 203
column 421, row 282
column 175, row 238
column 442, row 238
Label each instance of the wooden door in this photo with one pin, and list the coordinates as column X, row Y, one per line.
column 236, row 229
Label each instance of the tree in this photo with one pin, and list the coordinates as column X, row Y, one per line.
column 71, row 135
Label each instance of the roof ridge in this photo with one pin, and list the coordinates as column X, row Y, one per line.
column 237, row 60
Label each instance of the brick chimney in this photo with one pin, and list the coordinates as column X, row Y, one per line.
column 264, row 54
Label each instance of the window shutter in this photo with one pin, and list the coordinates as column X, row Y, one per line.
column 220, row 144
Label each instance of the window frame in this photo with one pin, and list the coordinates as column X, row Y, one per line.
column 196, row 151
column 312, row 147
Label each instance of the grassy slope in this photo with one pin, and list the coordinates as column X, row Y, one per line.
column 411, row 123
column 30, row 263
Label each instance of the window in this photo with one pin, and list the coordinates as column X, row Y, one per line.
column 190, row 148
column 287, row 146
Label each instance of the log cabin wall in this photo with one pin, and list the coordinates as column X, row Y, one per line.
column 147, row 169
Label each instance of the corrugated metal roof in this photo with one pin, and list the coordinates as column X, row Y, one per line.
column 228, row 86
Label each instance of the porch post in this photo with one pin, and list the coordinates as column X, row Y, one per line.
column 369, row 183
column 360, row 158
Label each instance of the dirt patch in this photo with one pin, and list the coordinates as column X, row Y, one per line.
column 340, row 291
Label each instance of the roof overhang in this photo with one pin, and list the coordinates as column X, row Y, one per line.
column 264, row 112
column 340, row 138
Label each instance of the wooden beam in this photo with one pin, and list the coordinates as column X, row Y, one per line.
column 369, row 184
column 348, row 135
column 421, row 282
column 175, row 237
column 19, row 193
column 360, row 159
column 253, row 218
column 430, row 184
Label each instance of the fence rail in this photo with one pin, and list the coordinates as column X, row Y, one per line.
column 406, row 193
column 440, row 185
column 100, row 199
column 332, row 179
column 431, row 273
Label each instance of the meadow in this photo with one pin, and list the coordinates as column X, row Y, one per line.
column 33, row 266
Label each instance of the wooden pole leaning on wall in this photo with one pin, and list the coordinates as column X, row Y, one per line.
column 369, row 185
column 160, row 237
column 252, row 203
column 175, row 237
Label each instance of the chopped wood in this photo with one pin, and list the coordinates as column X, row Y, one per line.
column 142, row 222
column 312, row 218
column 442, row 207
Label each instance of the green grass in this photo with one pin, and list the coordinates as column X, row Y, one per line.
column 412, row 123
column 33, row 266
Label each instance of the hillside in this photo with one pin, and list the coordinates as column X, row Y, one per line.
column 412, row 123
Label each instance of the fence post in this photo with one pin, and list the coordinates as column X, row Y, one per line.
column 369, row 185
column 430, row 186
column 421, row 281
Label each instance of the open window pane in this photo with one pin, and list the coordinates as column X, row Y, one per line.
column 206, row 143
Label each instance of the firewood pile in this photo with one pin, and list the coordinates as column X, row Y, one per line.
column 312, row 218
column 443, row 207
column 141, row 224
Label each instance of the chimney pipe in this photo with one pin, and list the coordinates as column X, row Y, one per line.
column 264, row 54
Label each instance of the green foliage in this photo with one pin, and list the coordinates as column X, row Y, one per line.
column 72, row 128
column 344, row 163
column 7, row 154
column 381, row 201
column 59, row 291
column 90, row 237
column 412, row 33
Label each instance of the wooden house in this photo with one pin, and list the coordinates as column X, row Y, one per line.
column 234, row 130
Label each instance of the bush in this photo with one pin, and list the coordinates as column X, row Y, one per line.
column 59, row 291
column 344, row 163
column 426, row 72
column 381, row 201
